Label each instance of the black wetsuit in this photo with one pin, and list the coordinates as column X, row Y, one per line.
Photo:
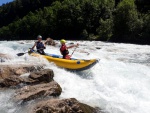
column 40, row 48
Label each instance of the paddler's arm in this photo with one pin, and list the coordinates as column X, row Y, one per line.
column 34, row 46
column 73, row 46
column 44, row 45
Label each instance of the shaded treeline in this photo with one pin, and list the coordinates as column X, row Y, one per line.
column 106, row 20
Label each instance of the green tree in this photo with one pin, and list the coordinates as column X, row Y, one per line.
column 145, row 32
column 126, row 22
column 105, row 30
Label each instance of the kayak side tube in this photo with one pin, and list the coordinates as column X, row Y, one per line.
column 86, row 67
column 75, row 65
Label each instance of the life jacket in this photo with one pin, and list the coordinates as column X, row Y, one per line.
column 64, row 51
column 39, row 45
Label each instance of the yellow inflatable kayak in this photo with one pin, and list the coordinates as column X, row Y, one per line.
column 73, row 64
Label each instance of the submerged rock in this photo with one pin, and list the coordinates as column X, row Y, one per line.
column 9, row 70
column 45, row 76
column 71, row 43
column 50, row 41
column 98, row 47
column 62, row 106
column 21, row 42
column 11, row 81
column 4, row 57
column 28, row 93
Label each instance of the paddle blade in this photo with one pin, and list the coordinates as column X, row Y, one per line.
column 20, row 54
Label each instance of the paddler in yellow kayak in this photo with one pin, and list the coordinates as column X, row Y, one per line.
column 40, row 46
column 64, row 49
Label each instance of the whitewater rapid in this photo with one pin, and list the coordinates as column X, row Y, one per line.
column 119, row 83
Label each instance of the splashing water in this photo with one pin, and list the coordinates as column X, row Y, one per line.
column 119, row 83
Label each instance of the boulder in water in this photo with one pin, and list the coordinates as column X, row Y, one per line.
column 11, row 81
column 50, row 41
column 45, row 76
column 9, row 70
column 63, row 106
column 28, row 93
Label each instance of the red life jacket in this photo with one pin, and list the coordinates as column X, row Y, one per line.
column 64, row 51
column 63, row 48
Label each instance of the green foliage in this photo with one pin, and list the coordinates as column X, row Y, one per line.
column 106, row 20
column 145, row 32
column 19, row 8
column 125, row 21
column 105, row 29
column 143, row 5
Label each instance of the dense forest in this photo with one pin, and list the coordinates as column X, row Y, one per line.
column 106, row 20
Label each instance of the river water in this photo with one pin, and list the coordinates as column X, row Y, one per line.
column 119, row 83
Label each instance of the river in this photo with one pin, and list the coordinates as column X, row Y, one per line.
column 119, row 83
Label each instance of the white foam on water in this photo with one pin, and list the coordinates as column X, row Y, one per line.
column 119, row 83
column 6, row 104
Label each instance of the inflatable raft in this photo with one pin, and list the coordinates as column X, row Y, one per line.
column 73, row 64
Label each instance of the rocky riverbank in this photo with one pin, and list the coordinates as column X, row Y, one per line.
column 39, row 85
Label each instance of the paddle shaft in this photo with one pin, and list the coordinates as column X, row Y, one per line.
column 21, row 54
column 73, row 51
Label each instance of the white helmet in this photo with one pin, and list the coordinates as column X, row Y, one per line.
column 39, row 36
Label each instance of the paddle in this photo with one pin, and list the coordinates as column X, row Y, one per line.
column 73, row 52
column 21, row 54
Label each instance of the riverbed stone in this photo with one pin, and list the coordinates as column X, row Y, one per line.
column 45, row 75
column 9, row 70
column 62, row 106
column 11, row 81
column 50, row 41
column 28, row 93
